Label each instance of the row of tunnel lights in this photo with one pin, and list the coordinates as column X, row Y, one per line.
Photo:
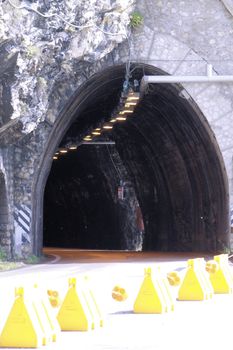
column 126, row 107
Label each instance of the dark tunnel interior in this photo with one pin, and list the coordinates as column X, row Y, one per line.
column 158, row 182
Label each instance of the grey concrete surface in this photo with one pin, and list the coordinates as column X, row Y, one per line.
column 192, row 325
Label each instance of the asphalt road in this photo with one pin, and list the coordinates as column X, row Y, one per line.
column 192, row 325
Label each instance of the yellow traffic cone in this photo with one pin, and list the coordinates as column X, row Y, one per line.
column 45, row 314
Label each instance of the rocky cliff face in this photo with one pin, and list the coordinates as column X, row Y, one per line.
column 44, row 43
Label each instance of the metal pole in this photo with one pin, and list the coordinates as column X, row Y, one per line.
column 97, row 143
column 152, row 79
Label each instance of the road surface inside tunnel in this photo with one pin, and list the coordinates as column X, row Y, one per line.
column 116, row 256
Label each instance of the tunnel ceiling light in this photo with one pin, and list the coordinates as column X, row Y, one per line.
column 72, row 147
column 113, row 120
column 126, row 111
column 63, row 150
column 133, row 96
column 121, row 118
column 57, row 153
column 55, row 157
column 107, row 126
column 87, row 138
column 130, row 103
column 128, row 100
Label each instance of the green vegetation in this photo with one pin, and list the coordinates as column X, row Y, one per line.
column 9, row 265
column 6, row 265
column 3, row 255
column 32, row 259
column 136, row 19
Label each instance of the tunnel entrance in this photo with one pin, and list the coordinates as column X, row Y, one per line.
column 153, row 182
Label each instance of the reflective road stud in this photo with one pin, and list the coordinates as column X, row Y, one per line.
column 152, row 296
column 195, row 285
column 74, row 314
column 22, row 328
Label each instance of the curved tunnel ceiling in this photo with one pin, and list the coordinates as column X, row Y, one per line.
column 165, row 159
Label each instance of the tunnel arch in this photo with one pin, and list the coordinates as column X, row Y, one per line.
column 184, row 181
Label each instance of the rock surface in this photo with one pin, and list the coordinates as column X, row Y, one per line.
column 47, row 40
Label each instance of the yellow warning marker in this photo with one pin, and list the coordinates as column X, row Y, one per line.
column 173, row 278
column 222, row 279
column 195, row 285
column 74, row 314
column 22, row 328
column 119, row 293
column 153, row 296
column 211, row 266
column 54, row 298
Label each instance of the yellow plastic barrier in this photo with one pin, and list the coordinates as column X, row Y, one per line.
column 165, row 289
column 92, row 303
column 205, row 277
column 79, row 310
column 222, row 279
column 23, row 326
column 46, row 315
column 195, row 285
column 154, row 295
